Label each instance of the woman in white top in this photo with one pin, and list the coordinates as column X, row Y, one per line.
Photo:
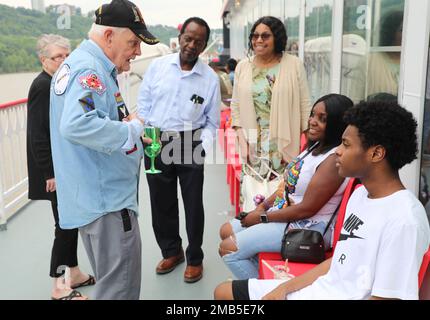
column 314, row 191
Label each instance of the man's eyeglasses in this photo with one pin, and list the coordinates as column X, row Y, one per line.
column 59, row 57
column 263, row 36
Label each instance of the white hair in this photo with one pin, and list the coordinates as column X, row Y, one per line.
column 98, row 30
column 45, row 40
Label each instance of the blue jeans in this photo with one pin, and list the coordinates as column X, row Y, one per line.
column 262, row 237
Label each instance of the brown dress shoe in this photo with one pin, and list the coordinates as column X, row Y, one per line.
column 169, row 264
column 193, row 273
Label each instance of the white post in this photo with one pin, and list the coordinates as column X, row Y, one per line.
column 302, row 30
column 2, row 207
column 412, row 86
column 336, row 46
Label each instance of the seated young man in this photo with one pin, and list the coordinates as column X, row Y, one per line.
column 386, row 231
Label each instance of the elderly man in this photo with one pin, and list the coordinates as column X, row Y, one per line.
column 180, row 94
column 96, row 154
column 52, row 49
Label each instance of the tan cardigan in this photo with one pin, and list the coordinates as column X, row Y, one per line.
column 290, row 106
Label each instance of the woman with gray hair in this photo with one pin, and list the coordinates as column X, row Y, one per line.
column 52, row 51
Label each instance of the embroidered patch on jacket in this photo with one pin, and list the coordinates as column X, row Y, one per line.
column 87, row 103
column 92, row 82
column 62, row 80
column 122, row 112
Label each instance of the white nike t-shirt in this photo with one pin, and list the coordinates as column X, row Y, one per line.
column 379, row 252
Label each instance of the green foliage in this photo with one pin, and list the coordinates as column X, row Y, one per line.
column 164, row 33
column 319, row 22
column 17, row 54
column 21, row 27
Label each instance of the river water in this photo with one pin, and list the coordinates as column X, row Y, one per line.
column 15, row 86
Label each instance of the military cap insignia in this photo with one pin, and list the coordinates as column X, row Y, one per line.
column 61, row 80
column 87, row 103
column 137, row 15
column 92, row 82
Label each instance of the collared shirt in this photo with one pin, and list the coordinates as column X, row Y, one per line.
column 177, row 100
column 94, row 175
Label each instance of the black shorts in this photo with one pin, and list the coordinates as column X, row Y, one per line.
column 240, row 289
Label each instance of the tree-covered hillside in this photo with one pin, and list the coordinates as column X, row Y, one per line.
column 21, row 27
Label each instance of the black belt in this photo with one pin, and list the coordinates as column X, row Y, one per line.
column 126, row 222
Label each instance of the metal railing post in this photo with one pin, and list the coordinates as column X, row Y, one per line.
column 13, row 160
column 3, row 222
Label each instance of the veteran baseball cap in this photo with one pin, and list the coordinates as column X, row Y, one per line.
column 124, row 14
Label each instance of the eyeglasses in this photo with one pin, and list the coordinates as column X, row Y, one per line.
column 263, row 36
column 59, row 57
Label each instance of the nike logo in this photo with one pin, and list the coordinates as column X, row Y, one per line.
column 344, row 237
column 352, row 224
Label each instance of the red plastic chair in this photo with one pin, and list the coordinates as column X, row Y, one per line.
column 234, row 167
column 300, row 268
column 303, row 142
column 424, row 277
column 424, row 267
column 237, row 177
column 224, row 122
column 229, row 149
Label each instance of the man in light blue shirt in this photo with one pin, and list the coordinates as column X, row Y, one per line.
column 181, row 95
column 97, row 151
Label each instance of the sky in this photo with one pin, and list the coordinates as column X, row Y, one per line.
column 166, row 12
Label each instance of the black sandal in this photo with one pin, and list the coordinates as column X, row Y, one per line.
column 70, row 296
column 89, row 282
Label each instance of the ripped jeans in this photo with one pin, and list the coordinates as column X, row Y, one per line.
column 262, row 237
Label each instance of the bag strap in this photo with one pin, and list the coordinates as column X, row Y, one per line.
column 248, row 167
column 332, row 218
column 328, row 224
column 286, row 228
column 309, row 151
column 271, row 171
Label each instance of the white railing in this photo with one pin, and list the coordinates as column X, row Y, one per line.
column 13, row 159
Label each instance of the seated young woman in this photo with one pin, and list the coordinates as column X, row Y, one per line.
column 312, row 185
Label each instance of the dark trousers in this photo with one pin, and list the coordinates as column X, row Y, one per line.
column 164, row 202
column 64, row 249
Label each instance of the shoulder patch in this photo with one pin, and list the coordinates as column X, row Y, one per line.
column 92, row 82
column 87, row 103
column 62, row 80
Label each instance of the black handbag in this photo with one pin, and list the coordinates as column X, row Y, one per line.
column 303, row 245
